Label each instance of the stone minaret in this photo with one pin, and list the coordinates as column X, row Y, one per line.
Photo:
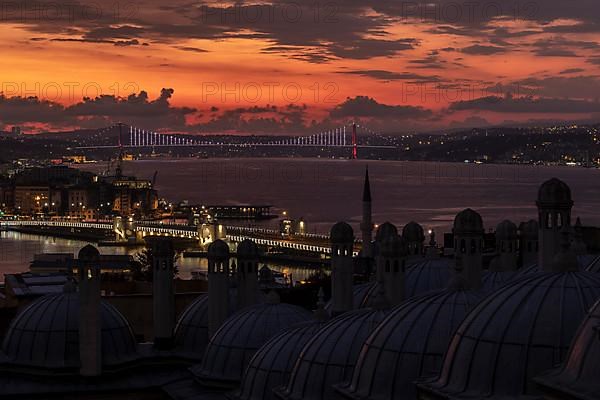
column 247, row 273
column 218, row 285
column 163, row 290
column 90, row 324
column 468, row 247
column 342, row 268
column 529, row 245
column 366, row 225
column 391, row 267
column 507, row 242
column 554, row 213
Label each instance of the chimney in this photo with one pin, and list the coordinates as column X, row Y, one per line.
column 163, row 291
column 468, row 248
column 218, row 285
column 342, row 268
column 90, row 324
column 247, row 273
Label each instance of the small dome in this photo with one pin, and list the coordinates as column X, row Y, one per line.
column 341, row 233
column 409, row 344
column 362, row 295
column 392, row 246
column 386, row 230
column 248, row 249
column 46, row 334
column 554, row 192
column 529, row 230
column 330, row 356
column 191, row 331
column 506, row 230
column 413, row 232
column 578, row 376
column 516, row 333
column 428, row 275
column 233, row 345
column 89, row 253
column 272, row 364
column 468, row 222
column 218, row 249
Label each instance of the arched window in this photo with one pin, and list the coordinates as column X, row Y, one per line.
column 396, row 267
column 387, row 265
column 463, row 246
column 473, row 246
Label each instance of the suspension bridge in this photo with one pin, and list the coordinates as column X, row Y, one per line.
column 133, row 137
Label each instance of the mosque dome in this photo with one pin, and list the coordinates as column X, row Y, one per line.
column 46, row 334
column 506, row 230
column 386, row 230
column 362, row 295
column 469, row 222
column 554, row 192
column 218, row 249
column 492, row 280
column 427, row 275
column 529, row 229
column 413, row 232
column 409, row 344
column 272, row 364
column 330, row 356
column 241, row 335
column 578, row 376
column 341, row 233
column 191, row 331
column 513, row 335
column 247, row 248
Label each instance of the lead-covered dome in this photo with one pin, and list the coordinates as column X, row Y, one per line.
column 578, row 377
column 506, row 230
column 409, row 344
column 554, row 192
column 413, row 232
column 386, row 230
column 341, row 233
column 469, row 222
column 272, row 364
column 330, row 356
column 233, row 345
column 513, row 335
column 427, row 275
column 191, row 331
column 45, row 335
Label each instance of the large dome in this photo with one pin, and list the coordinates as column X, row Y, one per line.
column 410, row 343
column 272, row 364
column 427, row 275
column 578, row 377
column 330, row 356
column 233, row 345
column 494, row 280
column 554, row 192
column 46, row 334
column 514, row 334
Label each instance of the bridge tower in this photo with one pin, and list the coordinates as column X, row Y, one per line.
column 354, row 142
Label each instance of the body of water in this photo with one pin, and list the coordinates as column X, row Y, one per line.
column 325, row 191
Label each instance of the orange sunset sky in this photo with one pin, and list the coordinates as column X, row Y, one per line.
column 283, row 66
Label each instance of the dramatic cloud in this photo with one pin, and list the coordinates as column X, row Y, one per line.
column 527, row 105
column 366, row 107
